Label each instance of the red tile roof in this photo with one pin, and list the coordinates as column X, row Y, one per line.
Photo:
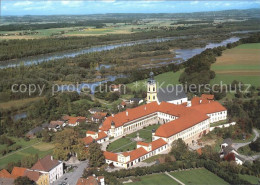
column 158, row 143
column 33, row 175
column 207, row 96
column 123, row 103
column 208, row 108
column 18, row 172
column 110, row 156
column 5, row 174
column 142, row 143
column 45, row 164
column 101, row 135
column 134, row 113
column 88, row 140
column 91, row 132
column 74, row 120
column 87, row 181
column 188, row 119
column 137, row 153
column 99, row 115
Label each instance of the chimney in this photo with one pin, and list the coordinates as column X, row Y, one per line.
column 126, row 112
column 112, row 115
column 51, row 157
column 145, row 108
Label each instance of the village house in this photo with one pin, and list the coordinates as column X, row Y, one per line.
column 47, row 165
column 94, row 110
column 8, row 179
column 91, row 180
column 98, row 117
column 75, row 121
column 56, row 125
column 227, row 151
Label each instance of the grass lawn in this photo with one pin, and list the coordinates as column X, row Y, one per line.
column 241, row 63
column 42, row 149
column 250, row 178
column 163, row 79
column 125, row 144
column 198, row 176
column 155, row 179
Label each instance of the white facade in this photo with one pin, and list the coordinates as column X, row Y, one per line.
column 188, row 135
column 124, row 161
column 56, row 173
column 217, row 116
column 177, row 102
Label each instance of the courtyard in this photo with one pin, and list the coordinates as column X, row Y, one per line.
column 126, row 143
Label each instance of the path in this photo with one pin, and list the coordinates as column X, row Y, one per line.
column 236, row 146
column 19, row 150
column 174, row 178
column 72, row 177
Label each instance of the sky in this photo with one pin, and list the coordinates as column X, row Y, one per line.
column 74, row 7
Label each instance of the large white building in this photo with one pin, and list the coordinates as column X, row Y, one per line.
column 179, row 119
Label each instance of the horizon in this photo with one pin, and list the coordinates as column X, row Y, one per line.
column 48, row 7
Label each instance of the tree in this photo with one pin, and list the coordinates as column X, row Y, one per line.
column 46, row 136
column 68, row 144
column 95, row 155
column 23, row 181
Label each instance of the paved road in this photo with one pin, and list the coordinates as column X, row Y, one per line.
column 72, row 177
column 238, row 145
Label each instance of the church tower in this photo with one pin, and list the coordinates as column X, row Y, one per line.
column 151, row 89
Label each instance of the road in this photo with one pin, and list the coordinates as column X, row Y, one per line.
column 238, row 145
column 72, row 177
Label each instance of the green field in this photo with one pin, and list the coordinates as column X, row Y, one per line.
column 28, row 148
column 198, row 177
column 155, row 179
column 164, row 79
column 125, row 144
column 249, row 178
column 241, row 63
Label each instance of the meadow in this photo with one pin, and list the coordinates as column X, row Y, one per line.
column 155, row 179
column 198, row 176
column 34, row 146
column 241, row 63
column 194, row 176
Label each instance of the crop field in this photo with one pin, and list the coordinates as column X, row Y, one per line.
column 198, row 176
column 125, row 143
column 241, row 63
